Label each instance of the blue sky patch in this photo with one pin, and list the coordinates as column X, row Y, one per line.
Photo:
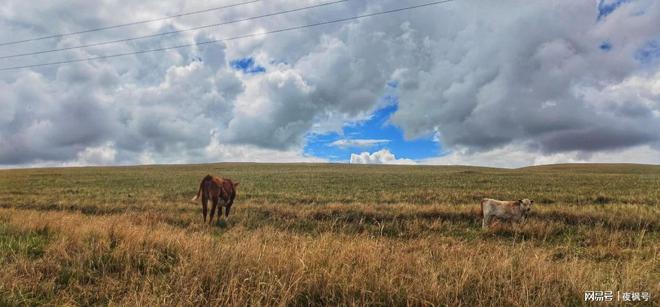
column 372, row 135
column 247, row 65
column 393, row 84
column 648, row 52
column 607, row 7
column 605, row 46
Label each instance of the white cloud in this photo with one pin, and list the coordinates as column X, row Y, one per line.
column 382, row 156
column 360, row 143
column 101, row 155
column 514, row 156
column 217, row 151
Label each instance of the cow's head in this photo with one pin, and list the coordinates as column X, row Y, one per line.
column 526, row 204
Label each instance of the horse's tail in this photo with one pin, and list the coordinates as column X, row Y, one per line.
column 201, row 187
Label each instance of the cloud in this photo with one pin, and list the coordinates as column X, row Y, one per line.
column 504, row 78
column 360, row 143
column 382, row 156
column 526, row 85
column 514, row 156
column 217, row 151
column 101, row 155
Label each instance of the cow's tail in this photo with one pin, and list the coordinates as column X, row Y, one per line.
column 201, row 187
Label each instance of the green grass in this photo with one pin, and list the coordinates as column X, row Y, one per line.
column 311, row 234
column 15, row 243
column 112, row 190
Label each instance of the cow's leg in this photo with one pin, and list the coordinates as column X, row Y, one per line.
column 205, row 200
column 513, row 220
column 228, row 206
column 227, row 210
column 485, row 221
column 215, row 205
column 220, row 209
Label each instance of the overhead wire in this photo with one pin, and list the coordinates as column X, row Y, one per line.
column 129, row 24
column 256, row 34
column 173, row 32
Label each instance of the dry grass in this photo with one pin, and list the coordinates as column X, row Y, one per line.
column 94, row 237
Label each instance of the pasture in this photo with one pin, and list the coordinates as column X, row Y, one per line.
column 315, row 234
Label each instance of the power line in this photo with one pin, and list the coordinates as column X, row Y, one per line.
column 172, row 32
column 129, row 24
column 231, row 38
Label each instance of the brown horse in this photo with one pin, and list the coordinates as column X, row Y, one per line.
column 215, row 188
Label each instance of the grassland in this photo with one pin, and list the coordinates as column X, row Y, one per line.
column 326, row 235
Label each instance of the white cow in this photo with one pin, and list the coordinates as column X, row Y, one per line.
column 504, row 210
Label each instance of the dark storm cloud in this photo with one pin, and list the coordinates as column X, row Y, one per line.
column 595, row 138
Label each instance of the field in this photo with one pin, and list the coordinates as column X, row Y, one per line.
column 327, row 235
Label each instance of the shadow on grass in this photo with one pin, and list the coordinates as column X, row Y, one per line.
column 614, row 222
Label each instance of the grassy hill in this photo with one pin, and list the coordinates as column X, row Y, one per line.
column 322, row 234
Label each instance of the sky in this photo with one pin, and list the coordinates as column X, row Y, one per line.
column 490, row 83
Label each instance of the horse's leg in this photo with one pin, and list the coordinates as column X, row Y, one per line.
column 215, row 205
column 205, row 200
